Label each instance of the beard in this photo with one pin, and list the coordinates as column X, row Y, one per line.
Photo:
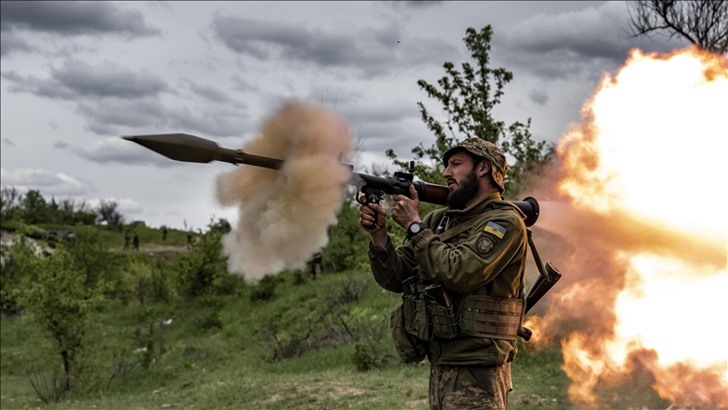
column 459, row 198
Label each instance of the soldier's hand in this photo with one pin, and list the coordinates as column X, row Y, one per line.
column 372, row 217
column 406, row 209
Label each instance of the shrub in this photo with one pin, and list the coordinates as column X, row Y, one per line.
column 59, row 302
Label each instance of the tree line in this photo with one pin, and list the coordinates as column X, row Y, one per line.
column 33, row 208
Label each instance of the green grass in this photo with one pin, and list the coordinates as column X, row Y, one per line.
column 216, row 353
column 228, row 368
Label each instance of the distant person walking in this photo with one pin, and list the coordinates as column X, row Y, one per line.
column 164, row 232
column 127, row 240
column 315, row 265
column 136, row 242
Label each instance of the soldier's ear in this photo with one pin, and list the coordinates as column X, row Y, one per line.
column 483, row 168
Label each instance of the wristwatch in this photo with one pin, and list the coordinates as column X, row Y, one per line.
column 415, row 228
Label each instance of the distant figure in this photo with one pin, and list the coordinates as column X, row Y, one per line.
column 189, row 240
column 315, row 265
column 136, row 242
column 127, row 240
column 164, row 232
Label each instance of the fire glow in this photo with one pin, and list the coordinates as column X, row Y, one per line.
column 644, row 174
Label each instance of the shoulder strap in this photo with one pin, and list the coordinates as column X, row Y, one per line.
column 457, row 230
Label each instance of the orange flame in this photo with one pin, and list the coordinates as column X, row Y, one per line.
column 641, row 183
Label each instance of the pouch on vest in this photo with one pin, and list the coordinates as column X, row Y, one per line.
column 409, row 348
column 445, row 324
column 417, row 320
column 488, row 316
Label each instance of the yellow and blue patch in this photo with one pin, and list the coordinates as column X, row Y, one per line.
column 495, row 229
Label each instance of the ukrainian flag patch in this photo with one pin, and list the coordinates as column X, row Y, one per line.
column 497, row 230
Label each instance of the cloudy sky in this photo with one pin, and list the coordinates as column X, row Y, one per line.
column 78, row 75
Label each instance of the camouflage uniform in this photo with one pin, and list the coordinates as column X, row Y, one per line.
column 486, row 259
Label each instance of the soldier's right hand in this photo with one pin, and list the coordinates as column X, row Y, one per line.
column 372, row 217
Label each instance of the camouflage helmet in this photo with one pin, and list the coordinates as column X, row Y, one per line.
column 486, row 150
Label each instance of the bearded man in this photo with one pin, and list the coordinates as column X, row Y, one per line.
column 461, row 273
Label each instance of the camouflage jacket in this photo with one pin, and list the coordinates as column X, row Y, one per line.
column 488, row 258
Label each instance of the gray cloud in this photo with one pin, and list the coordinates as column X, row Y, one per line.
column 75, row 80
column 369, row 51
column 585, row 43
column 211, row 121
column 73, row 18
column 538, row 96
column 11, row 43
column 208, row 92
column 118, row 150
column 45, row 181
column 110, row 116
column 60, row 145
column 113, row 98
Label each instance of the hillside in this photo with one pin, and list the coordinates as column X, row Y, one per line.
column 289, row 342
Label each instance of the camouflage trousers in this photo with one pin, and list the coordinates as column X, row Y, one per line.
column 470, row 387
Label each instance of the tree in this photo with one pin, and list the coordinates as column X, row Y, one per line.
column 60, row 304
column 701, row 22
column 108, row 211
column 468, row 98
column 90, row 255
column 203, row 270
column 35, row 207
column 10, row 203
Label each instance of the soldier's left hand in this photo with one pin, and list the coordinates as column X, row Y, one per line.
column 406, row 209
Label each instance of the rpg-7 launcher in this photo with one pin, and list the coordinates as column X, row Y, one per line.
column 189, row 148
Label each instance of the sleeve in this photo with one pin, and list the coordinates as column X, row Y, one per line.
column 471, row 262
column 391, row 266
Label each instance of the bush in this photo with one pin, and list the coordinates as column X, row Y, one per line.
column 59, row 302
column 265, row 289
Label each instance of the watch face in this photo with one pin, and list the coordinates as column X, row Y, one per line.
column 415, row 228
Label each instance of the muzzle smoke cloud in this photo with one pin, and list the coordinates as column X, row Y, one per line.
column 284, row 215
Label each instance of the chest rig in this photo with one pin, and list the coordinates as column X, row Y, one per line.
column 429, row 311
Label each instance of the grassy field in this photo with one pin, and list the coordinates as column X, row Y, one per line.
column 241, row 352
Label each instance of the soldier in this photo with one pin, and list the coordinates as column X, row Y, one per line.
column 463, row 266
column 135, row 242
column 127, row 239
column 315, row 265
column 164, row 232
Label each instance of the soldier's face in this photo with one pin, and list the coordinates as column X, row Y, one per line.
column 462, row 180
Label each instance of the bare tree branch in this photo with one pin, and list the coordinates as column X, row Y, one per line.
column 702, row 22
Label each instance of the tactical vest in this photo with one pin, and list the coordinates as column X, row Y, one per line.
column 428, row 311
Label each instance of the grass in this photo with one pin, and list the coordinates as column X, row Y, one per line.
column 227, row 368
column 216, row 352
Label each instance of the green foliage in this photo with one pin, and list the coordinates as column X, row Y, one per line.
column 265, row 289
column 203, row 270
column 60, row 303
column 468, row 98
column 18, row 269
column 348, row 243
column 10, row 204
column 141, row 281
column 33, row 208
column 90, row 255
column 108, row 212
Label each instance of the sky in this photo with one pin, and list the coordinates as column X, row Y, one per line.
column 76, row 76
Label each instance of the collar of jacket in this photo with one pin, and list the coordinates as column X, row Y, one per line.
column 474, row 209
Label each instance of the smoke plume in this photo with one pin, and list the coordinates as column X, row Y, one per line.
column 284, row 214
